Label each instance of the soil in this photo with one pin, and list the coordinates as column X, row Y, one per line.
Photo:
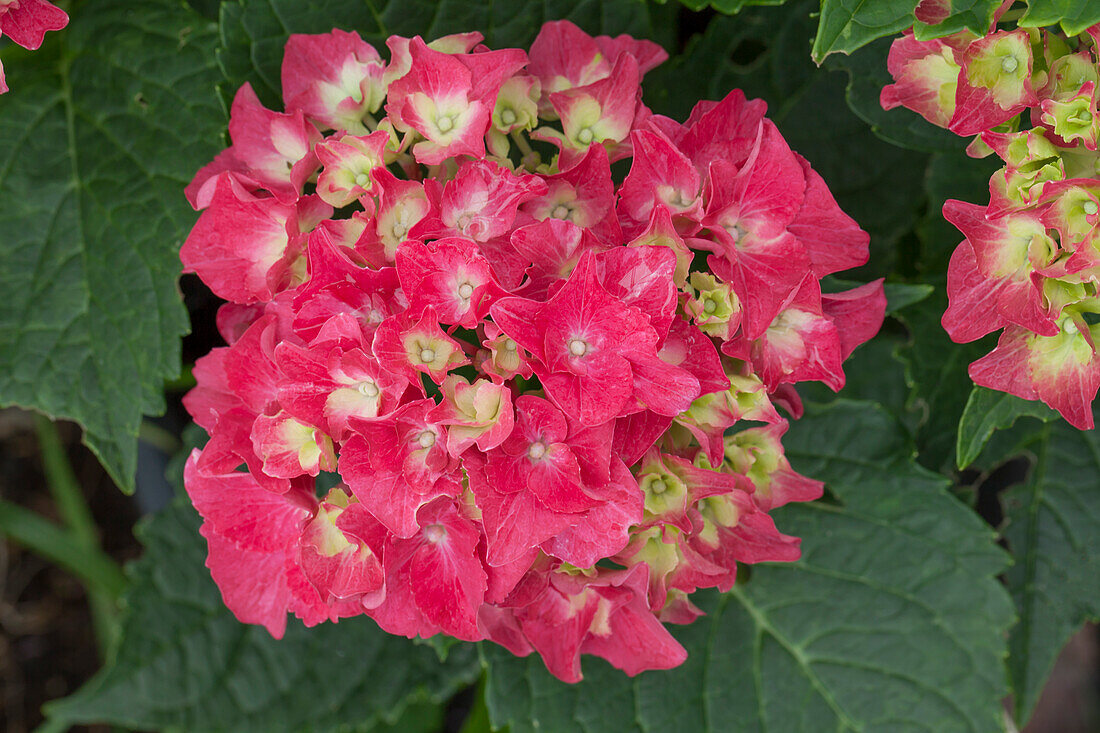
column 47, row 649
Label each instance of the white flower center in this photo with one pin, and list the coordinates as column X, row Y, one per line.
column 577, row 347
column 509, row 345
column 435, row 533
column 427, row 355
column 465, row 290
column 536, row 451
column 368, row 388
column 426, row 439
column 658, row 486
column 561, row 211
column 1009, row 64
column 362, row 180
column 445, row 124
column 508, row 117
column 709, row 306
column 585, row 135
column 1069, row 327
column 1089, row 207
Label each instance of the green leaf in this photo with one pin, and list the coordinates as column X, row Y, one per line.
column 903, row 295
column 867, row 75
column 846, row 25
column 988, row 410
column 893, row 619
column 255, row 31
column 185, row 663
column 972, row 15
column 898, row 295
column 936, row 371
column 729, row 7
column 102, row 129
column 936, row 366
column 1073, row 15
column 1053, row 530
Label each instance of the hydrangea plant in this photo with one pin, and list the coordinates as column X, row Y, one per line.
column 544, row 403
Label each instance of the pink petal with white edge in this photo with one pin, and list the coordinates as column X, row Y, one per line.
column 480, row 202
column 448, row 580
column 290, row 448
column 563, row 56
column 659, row 175
column 1061, row 370
column 239, row 510
column 603, row 530
column 348, row 161
column 333, row 78
column 995, row 82
column 276, row 149
column 832, row 239
column 242, row 245
column 926, row 76
column 857, row 314
column 253, row 584
column 599, row 112
column 584, row 195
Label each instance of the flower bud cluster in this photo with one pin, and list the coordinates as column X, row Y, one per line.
column 26, row 22
column 523, row 371
column 1030, row 260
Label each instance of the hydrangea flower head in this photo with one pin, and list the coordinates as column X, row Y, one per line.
column 527, row 371
column 1029, row 265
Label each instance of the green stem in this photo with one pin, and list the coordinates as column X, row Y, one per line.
column 521, row 142
column 478, row 719
column 93, row 568
column 105, row 585
column 64, row 485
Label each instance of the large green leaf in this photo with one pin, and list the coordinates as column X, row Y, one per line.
column 988, row 410
column 185, row 663
column 102, row 128
column 893, row 619
column 1073, row 15
column 1053, row 530
column 847, row 25
column 255, row 31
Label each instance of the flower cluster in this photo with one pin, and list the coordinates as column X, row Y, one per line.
column 26, row 22
column 1030, row 261
column 523, row 371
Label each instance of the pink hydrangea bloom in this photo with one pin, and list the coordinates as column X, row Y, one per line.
column 1029, row 262
column 509, row 360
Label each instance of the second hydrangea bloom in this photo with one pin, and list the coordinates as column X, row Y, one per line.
column 1029, row 265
